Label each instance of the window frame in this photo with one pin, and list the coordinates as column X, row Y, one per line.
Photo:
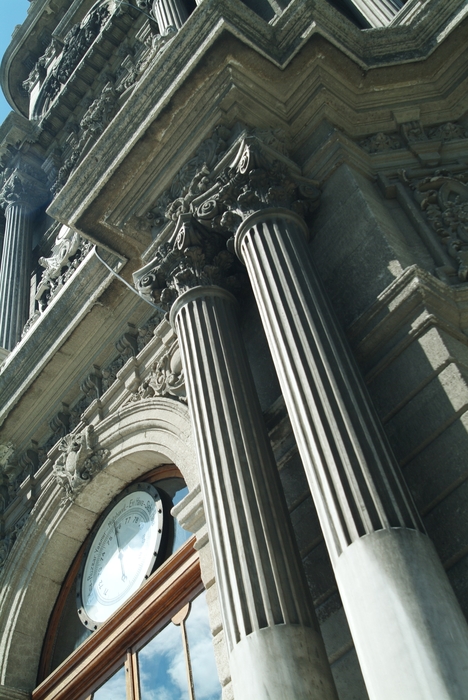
column 174, row 584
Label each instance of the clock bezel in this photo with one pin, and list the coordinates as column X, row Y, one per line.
column 156, row 559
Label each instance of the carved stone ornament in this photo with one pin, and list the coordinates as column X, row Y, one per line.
column 78, row 463
column 166, row 378
column 443, row 198
column 192, row 257
column 209, row 213
column 8, row 473
column 68, row 252
column 381, row 142
column 93, row 123
column 77, row 42
column 17, row 190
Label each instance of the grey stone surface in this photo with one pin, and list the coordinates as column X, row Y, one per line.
column 364, row 113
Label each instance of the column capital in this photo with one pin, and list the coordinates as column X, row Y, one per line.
column 192, row 257
column 22, row 189
column 257, row 179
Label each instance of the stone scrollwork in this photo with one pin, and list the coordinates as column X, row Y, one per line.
column 192, row 257
column 78, row 463
column 443, row 198
column 209, row 212
column 165, row 379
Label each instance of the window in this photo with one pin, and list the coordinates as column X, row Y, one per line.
column 157, row 646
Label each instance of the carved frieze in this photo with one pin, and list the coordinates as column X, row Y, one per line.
column 76, row 43
column 78, row 463
column 411, row 134
column 91, row 126
column 381, row 142
column 443, row 200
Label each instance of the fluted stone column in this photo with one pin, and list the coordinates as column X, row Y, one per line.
column 274, row 642
column 169, row 13
column 15, row 269
column 379, row 13
column 410, row 634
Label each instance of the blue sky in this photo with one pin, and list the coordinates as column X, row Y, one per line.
column 12, row 12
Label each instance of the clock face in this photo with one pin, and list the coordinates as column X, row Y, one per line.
column 122, row 553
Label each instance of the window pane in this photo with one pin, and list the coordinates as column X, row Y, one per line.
column 200, row 641
column 180, row 535
column 163, row 674
column 113, row 689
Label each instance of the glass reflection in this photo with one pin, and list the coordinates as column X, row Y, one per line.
column 163, row 674
column 163, row 666
column 200, row 641
column 113, row 689
column 180, row 535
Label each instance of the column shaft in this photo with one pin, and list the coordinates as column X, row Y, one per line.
column 276, row 650
column 169, row 13
column 15, row 273
column 354, row 479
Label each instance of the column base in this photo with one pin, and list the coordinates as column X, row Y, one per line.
column 281, row 662
column 410, row 634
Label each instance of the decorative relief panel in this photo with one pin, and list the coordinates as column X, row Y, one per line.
column 165, row 379
column 443, row 200
column 62, row 63
column 411, row 134
column 68, row 252
column 79, row 462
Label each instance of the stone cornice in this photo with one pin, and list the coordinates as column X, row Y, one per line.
column 209, row 21
column 62, row 316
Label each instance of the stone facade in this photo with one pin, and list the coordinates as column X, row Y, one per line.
column 235, row 239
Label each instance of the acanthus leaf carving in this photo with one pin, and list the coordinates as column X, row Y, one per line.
column 18, row 190
column 78, row 463
column 208, row 213
column 192, row 257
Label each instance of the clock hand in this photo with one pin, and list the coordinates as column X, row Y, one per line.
column 124, row 578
